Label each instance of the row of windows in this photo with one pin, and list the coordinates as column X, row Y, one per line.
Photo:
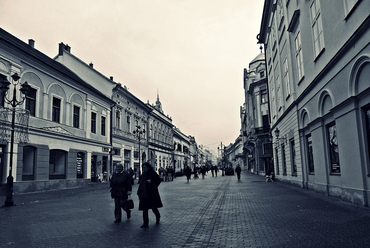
column 30, row 105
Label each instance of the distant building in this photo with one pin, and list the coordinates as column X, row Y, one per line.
column 255, row 123
column 318, row 64
column 160, row 139
column 181, row 150
column 234, row 153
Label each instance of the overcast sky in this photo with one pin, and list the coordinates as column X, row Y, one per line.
column 192, row 52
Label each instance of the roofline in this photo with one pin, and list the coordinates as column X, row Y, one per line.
column 47, row 61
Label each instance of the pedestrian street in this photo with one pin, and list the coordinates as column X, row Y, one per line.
column 211, row 212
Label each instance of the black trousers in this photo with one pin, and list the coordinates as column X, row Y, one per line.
column 146, row 215
column 118, row 204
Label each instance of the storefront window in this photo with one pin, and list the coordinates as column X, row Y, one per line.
column 277, row 161
column 293, row 158
column 333, row 148
column 311, row 167
column 80, row 164
column 283, row 158
column 29, row 160
column 57, row 164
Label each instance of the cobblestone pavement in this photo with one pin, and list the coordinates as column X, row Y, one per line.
column 211, row 212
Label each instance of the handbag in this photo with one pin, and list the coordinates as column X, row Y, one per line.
column 130, row 202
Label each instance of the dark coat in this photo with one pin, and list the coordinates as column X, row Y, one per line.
column 238, row 169
column 187, row 172
column 120, row 184
column 148, row 192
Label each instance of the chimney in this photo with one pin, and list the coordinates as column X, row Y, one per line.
column 68, row 48
column 61, row 48
column 31, row 43
column 91, row 65
column 111, row 78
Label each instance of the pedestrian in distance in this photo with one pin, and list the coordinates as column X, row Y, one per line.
column 212, row 170
column 238, row 171
column 187, row 173
column 149, row 197
column 120, row 188
column 216, row 170
column 203, row 170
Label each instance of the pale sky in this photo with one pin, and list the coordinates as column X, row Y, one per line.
column 193, row 52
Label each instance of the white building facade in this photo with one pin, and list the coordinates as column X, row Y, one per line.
column 68, row 126
column 318, row 55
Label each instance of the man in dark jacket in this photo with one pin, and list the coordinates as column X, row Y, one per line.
column 187, row 173
column 238, row 171
column 148, row 194
column 120, row 188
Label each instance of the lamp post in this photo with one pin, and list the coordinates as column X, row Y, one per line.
column 222, row 150
column 138, row 132
column 13, row 103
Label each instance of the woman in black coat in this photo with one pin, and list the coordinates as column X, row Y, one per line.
column 148, row 194
column 120, row 188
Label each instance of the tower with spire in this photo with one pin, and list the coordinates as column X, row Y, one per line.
column 158, row 104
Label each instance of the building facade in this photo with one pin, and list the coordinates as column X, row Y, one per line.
column 160, row 139
column 68, row 122
column 129, row 114
column 317, row 58
column 181, row 151
column 255, row 119
column 234, row 153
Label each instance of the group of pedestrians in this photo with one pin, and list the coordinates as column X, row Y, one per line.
column 203, row 170
column 149, row 198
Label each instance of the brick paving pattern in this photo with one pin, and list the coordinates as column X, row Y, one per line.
column 211, row 212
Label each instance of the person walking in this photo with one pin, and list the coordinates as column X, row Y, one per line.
column 120, row 188
column 188, row 173
column 238, row 171
column 149, row 197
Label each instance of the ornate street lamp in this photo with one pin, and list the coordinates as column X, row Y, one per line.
column 277, row 134
column 13, row 103
column 138, row 132
column 222, row 150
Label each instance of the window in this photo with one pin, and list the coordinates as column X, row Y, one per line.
column 286, row 77
column 93, row 122
column 311, row 167
column 29, row 161
column 349, row 5
column 262, row 74
column 283, row 158
column 333, row 148
column 103, row 119
column 128, row 123
column 299, row 56
column 76, row 116
column 56, row 110
column 318, row 37
column 57, row 164
column 367, row 113
column 31, row 101
column 264, row 96
column 118, row 119
column 293, row 158
column 279, row 92
column 277, row 161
